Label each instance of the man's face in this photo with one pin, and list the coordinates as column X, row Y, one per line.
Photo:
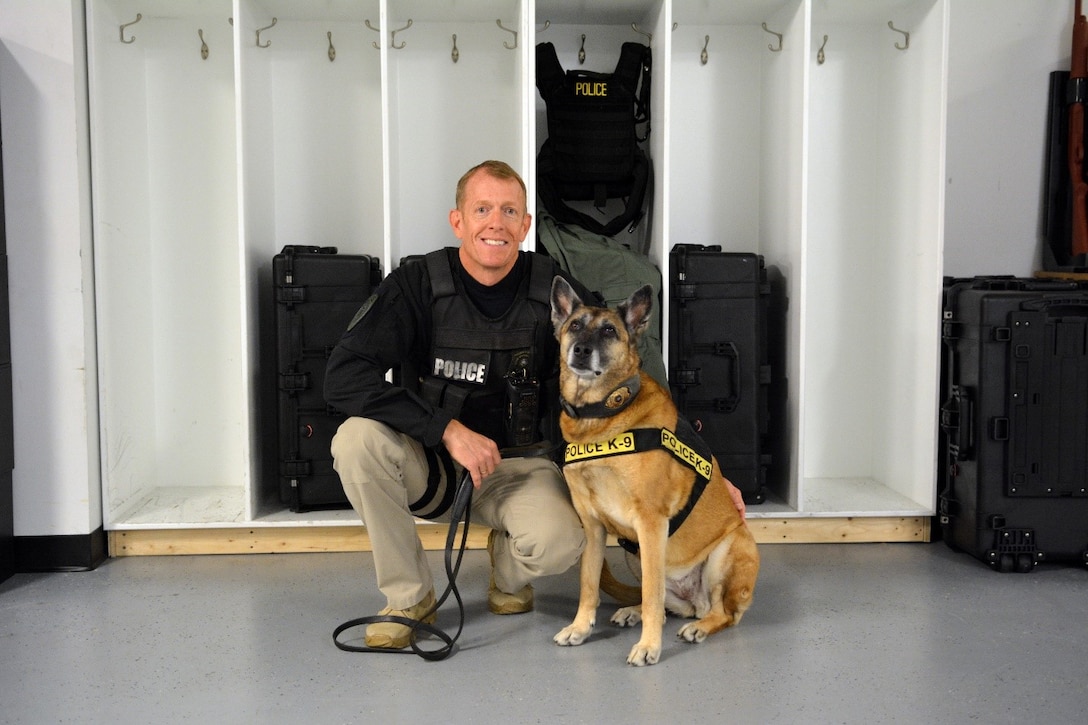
column 491, row 223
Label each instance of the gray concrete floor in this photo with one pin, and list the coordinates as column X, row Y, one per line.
column 837, row 634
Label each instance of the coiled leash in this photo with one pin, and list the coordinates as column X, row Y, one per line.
column 461, row 504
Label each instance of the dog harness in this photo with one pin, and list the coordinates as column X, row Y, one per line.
column 683, row 443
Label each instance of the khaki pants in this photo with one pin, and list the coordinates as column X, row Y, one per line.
column 525, row 500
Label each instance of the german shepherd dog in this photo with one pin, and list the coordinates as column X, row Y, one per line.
column 696, row 555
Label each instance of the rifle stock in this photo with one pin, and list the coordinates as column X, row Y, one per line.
column 1078, row 84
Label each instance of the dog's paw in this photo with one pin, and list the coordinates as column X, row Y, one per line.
column 692, row 632
column 642, row 655
column 572, row 635
column 627, row 616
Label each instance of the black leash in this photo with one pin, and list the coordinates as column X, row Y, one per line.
column 461, row 504
column 460, row 509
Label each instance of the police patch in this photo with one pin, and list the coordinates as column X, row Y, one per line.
column 469, row 366
column 365, row 308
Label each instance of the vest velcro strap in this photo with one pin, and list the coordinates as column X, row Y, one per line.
column 485, row 339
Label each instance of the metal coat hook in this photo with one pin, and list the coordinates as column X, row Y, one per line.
column 905, row 34
column 513, row 32
column 139, row 17
column 547, row 24
column 582, row 50
column 260, row 30
column 777, row 35
column 393, row 36
column 820, row 57
column 704, row 56
column 649, row 36
column 376, row 30
column 203, row 45
column 455, row 54
column 332, row 49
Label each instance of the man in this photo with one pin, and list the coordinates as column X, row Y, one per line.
column 473, row 322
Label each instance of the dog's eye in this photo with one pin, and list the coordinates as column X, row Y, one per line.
column 576, row 326
column 608, row 331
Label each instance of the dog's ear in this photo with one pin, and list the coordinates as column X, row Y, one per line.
column 564, row 301
column 636, row 310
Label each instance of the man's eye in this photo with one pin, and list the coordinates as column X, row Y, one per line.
column 510, row 212
column 481, row 211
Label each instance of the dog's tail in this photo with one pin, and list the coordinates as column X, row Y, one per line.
column 625, row 594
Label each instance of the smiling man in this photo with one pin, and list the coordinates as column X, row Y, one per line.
column 469, row 329
column 490, row 220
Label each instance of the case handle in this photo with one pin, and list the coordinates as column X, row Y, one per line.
column 1050, row 303
column 957, row 421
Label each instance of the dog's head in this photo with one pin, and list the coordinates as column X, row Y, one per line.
column 596, row 342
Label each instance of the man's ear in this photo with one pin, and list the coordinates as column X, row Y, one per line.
column 526, row 224
column 456, row 223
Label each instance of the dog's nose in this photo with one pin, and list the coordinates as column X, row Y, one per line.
column 581, row 351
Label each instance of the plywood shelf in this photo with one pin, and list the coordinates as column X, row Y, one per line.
column 303, row 539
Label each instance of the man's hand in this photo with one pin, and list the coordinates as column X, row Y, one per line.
column 738, row 498
column 477, row 454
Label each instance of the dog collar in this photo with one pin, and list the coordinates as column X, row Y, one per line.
column 613, row 403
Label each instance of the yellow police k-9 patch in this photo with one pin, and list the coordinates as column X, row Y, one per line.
column 623, row 443
column 685, row 453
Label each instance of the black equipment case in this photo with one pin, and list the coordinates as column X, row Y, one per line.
column 317, row 292
column 1014, row 421
column 720, row 372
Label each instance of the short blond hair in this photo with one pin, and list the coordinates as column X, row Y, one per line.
column 497, row 169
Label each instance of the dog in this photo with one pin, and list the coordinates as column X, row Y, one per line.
column 707, row 567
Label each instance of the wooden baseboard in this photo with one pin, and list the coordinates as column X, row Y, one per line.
column 302, row 539
column 1073, row 276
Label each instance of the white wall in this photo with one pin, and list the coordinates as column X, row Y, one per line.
column 47, row 203
column 1001, row 52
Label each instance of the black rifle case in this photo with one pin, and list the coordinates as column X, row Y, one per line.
column 1014, row 421
column 317, row 293
column 719, row 369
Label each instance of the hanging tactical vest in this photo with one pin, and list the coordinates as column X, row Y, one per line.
column 473, row 358
column 592, row 151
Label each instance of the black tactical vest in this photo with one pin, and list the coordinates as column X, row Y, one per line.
column 471, row 355
column 592, row 151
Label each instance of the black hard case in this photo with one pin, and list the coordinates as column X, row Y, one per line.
column 317, row 292
column 1014, row 421
column 719, row 358
column 7, row 419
